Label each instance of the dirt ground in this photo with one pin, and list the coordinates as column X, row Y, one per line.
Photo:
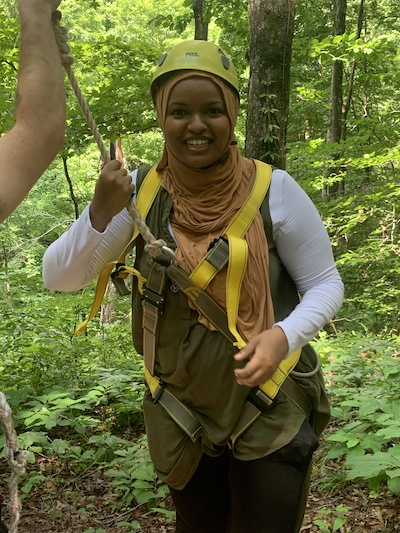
column 83, row 506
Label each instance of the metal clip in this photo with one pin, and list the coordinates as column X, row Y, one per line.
column 171, row 254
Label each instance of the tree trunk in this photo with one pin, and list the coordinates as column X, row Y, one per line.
column 271, row 25
column 349, row 95
column 107, row 308
column 201, row 26
column 336, row 126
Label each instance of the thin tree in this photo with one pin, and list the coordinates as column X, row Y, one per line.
column 336, row 126
column 271, row 25
column 201, row 25
column 71, row 187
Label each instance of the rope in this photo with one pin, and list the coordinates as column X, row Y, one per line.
column 15, row 458
column 153, row 246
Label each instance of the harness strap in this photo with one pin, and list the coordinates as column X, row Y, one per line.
column 178, row 411
column 153, row 306
column 238, row 255
column 257, row 404
column 144, row 200
column 101, row 286
column 201, row 299
column 253, row 408
column 207, row 268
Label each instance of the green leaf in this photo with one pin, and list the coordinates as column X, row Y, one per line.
column 370, row 466
column 322, row 526
column 338, row 523
column 115, row 473
column 139, row 484
column 394, row 485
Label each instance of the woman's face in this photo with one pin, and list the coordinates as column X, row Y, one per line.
column 197, row 129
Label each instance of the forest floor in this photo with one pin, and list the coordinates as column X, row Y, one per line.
column 83, row 505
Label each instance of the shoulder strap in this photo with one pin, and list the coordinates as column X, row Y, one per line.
column 145, row 197
column 236, row 251
column 146, row 194
column 209, row 266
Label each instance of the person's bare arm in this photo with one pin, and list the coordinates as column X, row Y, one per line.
column 38, row 134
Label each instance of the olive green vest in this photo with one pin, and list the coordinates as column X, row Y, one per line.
column 197, row 364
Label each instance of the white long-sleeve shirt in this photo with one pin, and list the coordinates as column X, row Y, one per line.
column 302, row 242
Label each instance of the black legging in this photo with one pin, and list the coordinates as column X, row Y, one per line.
column 227, row 495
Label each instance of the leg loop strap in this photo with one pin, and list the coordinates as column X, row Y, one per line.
column 176, row 409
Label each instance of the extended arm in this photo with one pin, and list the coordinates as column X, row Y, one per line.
column 38, row 134
column 98, row 237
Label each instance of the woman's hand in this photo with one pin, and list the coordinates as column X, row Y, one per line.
column 264, row 353
column 113, row 190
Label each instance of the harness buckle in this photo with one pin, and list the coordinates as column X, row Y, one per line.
column 119, row 282
column 218, row 253
column 153, row 298
column 156, row 393
column 260, row 400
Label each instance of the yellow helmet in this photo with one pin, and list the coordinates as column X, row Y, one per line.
column 195, row 55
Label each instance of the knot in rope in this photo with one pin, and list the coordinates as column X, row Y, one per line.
column 155, row 248
column 61, row 35
column 17, row 460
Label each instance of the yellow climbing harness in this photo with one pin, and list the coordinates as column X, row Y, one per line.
column 229, row 250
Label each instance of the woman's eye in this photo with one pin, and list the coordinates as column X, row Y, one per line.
column 178, row 112
column 214, row 111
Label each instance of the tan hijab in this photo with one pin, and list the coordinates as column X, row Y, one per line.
column 205, row 201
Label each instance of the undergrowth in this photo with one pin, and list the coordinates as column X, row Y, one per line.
column 95, row 424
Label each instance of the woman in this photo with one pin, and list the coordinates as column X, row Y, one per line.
column 258, row 480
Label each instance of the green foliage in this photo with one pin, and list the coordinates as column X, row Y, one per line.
column 363, row 382
column 339, row 519
column 73, row 427
column 8, row 65
column 134, row 478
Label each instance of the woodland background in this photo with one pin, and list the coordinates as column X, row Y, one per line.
column 76, row 400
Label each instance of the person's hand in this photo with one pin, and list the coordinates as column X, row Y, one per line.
column 264, row 353
column 113, row 190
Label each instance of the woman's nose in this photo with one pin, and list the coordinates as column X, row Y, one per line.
column 197, row 123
